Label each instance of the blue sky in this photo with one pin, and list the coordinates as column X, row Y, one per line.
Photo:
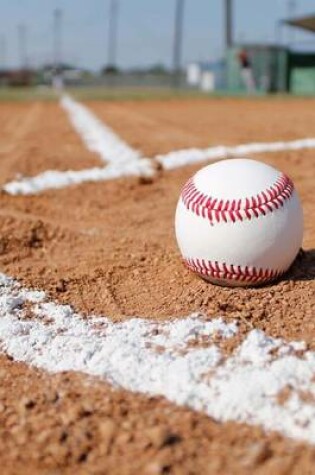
column 145, row 28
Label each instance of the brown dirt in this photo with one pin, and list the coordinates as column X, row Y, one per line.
column 109, row 248
column 67, row 424
column 36, row 137
column 113, row 246
column 157, row 127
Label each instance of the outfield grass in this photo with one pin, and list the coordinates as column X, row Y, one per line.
column 117, row 93
column 95, row 93
column 13, row 94
column 141, row 93
column 128, row 93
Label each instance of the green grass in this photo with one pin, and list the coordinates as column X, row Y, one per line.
column 13, row 94
column 142, row 94
column 95, row 93
column 117, row 93
column 100, row 93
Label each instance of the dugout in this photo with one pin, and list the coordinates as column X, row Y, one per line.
column 301, row 64
column 269, row 65
column 275, row 68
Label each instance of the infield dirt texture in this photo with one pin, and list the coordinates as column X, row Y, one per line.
column 108, row 250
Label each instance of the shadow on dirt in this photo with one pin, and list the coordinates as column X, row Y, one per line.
column 303, row 267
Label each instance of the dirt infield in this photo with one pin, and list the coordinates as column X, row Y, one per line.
column 109, row 249
column 37, row 137
column 161, row 126
column 66, row 424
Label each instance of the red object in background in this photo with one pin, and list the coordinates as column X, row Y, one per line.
column 244, row 59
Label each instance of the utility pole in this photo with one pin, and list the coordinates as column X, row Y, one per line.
column 228, row 7
column 112, row 34
column 22, row 45
column 178, row 40
column 57, row 39
column 291, row 14
column 3, row 52
column 278, row 33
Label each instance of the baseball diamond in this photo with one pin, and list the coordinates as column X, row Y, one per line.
column 111, row 349
column 157, row 237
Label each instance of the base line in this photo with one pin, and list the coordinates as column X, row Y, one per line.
column 124, row 161
column 191, row 156
column 191, row 370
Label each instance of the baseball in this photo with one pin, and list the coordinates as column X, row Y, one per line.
column 239, row 222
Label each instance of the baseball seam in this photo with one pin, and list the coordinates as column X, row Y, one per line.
column 217, row 211
column 232, row 272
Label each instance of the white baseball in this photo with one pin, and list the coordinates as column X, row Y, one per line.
column 239, row 222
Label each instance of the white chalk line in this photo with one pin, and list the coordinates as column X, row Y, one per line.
column 191, row 156
column 243, row 387
column 123, row 161
column 96, row 135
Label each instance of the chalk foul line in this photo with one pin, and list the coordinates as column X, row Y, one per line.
column 96, row 135
column 53, row 179
column 178, row 359
column 122, row 160
column 182, row 158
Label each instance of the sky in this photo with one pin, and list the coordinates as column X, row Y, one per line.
column 145, row 29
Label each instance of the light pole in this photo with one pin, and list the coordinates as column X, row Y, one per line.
column 291, row 13
column 178, row 40
column 228, row 20
column 3, row 52
column 112, row 34
column 22, row 45
column 57, row 40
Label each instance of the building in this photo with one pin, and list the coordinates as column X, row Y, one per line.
column 301, row 65
column 274, row 68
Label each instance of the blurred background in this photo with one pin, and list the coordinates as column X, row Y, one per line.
column 204, row 46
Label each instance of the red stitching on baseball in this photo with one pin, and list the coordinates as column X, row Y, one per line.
column 237, row 210
column 218, row 270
